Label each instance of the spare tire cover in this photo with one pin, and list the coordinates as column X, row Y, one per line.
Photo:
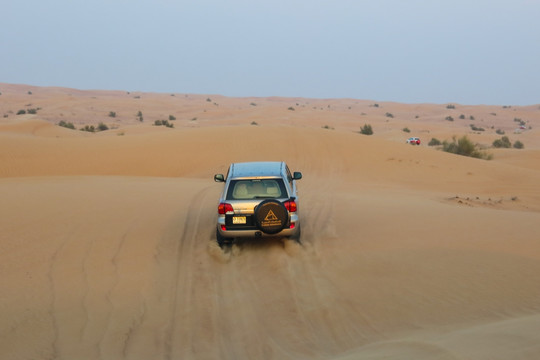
column 271, row 216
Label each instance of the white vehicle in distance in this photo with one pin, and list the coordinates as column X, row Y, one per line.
column 259, row 199
column 413, row 141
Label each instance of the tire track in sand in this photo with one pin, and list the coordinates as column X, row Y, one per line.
column 184, row 257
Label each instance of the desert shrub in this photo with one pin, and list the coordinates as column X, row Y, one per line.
column 208, row 99
column 366, row 130
column 503, row 142
column 102, row 127
column 450, row 106
column 291, row 108
column 89, row 128
column 254, row 123
column 519, row 121
column 32, row 111
column 389, row 115
column 140, row 116
column 406, row 129
column 66, row 125
column 465, row 147
column 499, row 131
column 21, row 112
column 327, row 127
column 163, row 123
column 471, row 117
column 518, row 145
column 476, row 128
column 172, row 118
column 434, row 142
column 449, row 118
column 112, row 114
column 462, row 116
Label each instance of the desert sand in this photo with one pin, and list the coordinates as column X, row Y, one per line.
column 107, row 246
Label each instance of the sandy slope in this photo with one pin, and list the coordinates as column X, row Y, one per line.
column 107, row 247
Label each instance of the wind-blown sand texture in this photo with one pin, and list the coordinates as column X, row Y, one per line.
column 107, row 246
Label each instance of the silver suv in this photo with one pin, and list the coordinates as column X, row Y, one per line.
column 259, row 199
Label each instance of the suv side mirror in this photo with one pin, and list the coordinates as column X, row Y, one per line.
column 219, row 178
column 297, row 175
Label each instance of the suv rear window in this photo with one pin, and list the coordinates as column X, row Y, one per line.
column 256, row 189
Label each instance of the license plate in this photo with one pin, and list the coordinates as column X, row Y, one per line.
column 239, row 220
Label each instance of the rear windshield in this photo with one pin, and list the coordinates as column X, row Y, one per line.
column 256, row 189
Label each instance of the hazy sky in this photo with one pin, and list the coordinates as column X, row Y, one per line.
column 412, row 51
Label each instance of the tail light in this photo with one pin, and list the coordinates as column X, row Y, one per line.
column 224, row 208
column 290, row 205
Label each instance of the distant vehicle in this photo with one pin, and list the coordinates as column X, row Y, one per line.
column 413, row 141
column 259, row 199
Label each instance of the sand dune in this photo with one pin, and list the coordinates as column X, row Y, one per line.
column 107, row 248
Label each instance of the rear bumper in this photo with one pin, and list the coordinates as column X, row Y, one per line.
column 252, row 231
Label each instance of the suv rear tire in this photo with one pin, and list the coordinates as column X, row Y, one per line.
column 297, row 236
column 222, row 240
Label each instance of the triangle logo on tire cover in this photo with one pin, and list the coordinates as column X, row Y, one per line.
column 270, row 216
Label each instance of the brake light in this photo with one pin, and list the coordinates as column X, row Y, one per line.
column 224, row 208
column 290, row 205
